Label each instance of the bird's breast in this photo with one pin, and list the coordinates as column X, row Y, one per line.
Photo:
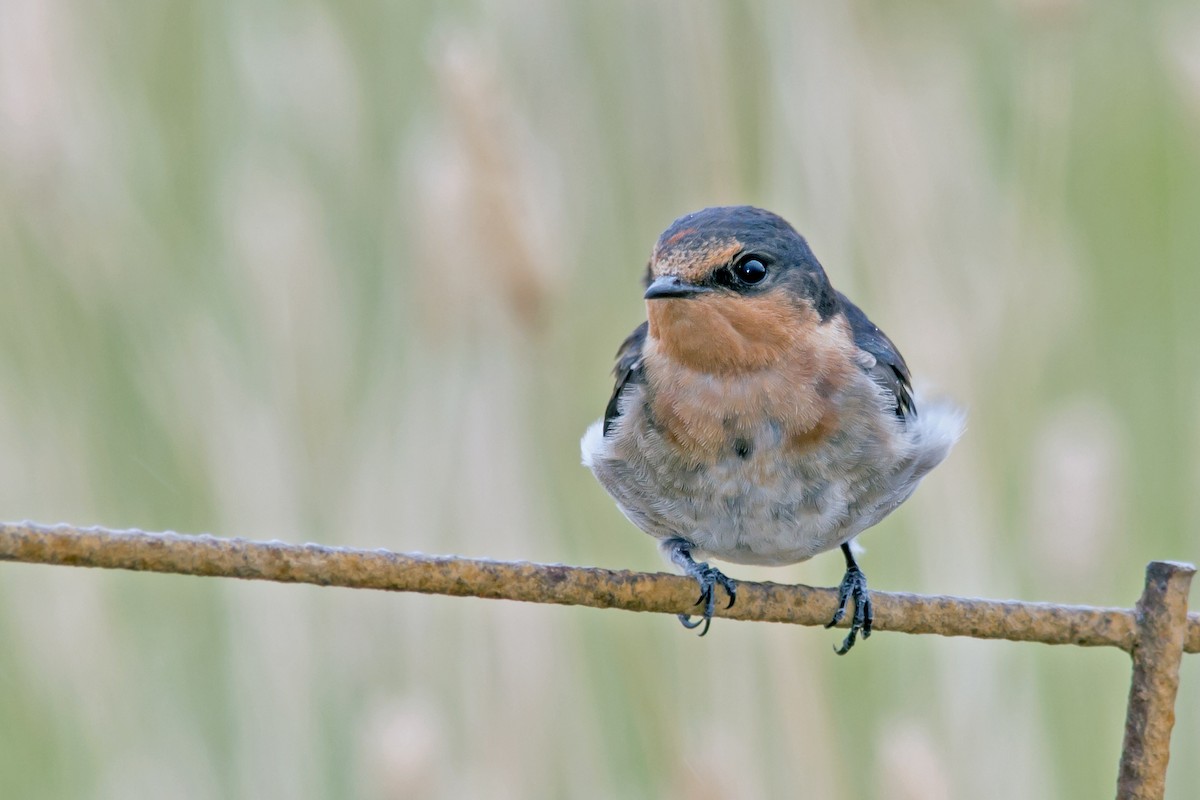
column 789, row 407
column 741, row 477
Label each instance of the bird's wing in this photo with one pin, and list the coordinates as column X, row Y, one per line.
column 628, row 372
column 883, row 361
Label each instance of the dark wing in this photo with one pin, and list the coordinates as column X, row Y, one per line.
column 628, row 372
column 889, row 369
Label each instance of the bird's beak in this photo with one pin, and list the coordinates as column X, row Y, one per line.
column 673, row 286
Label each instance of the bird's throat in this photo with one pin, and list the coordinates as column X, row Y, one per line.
column 726, row 334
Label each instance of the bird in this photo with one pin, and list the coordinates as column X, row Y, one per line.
column 758, row 415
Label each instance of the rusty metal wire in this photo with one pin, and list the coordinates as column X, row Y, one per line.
column 1157, row 652
column 555, row 583
column 1156, row 633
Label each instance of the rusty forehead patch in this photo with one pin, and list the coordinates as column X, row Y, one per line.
column 695, row 259
column 679, row 236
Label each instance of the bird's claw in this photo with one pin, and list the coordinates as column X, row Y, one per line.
column 853, row 586
column 708, row 578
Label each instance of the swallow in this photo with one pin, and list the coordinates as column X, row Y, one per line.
column 759, row 416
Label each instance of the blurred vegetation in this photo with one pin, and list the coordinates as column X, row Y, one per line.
column 355, row 272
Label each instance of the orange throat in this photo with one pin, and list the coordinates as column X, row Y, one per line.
column 722, row 334
column 719, row 365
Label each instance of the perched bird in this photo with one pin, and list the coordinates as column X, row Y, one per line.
column 759, row 416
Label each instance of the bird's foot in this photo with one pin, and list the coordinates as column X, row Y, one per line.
column 707, row 576
column 853, row 586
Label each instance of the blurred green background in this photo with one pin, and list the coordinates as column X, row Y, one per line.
column 355, row 272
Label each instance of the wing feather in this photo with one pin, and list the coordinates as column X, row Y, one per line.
column 888, row 368
column 628, row 372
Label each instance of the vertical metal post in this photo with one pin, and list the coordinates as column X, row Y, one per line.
column 1157, row 652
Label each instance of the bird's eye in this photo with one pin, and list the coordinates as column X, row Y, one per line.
column 750, row 270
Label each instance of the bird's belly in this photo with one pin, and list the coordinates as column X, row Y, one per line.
column 771, row 506
column 765, row 510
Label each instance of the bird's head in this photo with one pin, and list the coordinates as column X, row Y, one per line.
column 734, row 289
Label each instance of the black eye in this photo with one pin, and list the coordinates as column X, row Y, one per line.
column 750, row 270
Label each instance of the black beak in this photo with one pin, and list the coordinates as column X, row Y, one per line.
column 673, row 286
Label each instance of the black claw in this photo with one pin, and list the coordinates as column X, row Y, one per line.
column 853, row 587
column 708, row 577
column 730, row 589
column 687, row 622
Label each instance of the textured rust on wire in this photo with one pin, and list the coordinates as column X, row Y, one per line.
column 1162, row 621
column 555, row 583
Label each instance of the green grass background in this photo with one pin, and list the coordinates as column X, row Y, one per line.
column 354, row 273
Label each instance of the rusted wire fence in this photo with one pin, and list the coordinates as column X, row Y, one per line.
column 1157, row 632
